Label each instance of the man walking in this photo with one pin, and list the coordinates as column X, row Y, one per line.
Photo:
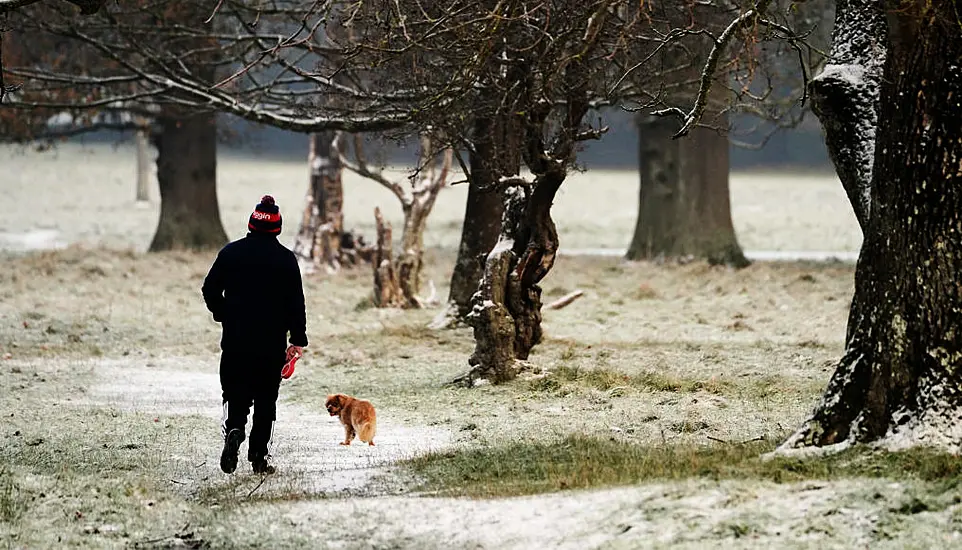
column 254, row 290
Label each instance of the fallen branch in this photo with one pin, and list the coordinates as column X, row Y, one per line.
column 565, row 300
column 725, row 441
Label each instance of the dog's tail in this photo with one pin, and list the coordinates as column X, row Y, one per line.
column 367, row 431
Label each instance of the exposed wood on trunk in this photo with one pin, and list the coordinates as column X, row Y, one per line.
column 387, row 291
column 417, row 200
column 321, row 233
column 898, row 382
column 565, row 300
column 187, row 178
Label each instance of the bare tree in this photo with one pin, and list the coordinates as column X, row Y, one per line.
column 684, row 208
column 397, row 280
column 77, row 77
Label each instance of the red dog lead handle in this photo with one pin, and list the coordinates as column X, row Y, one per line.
column 288, row 369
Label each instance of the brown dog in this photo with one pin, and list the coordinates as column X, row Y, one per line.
column 357, row 415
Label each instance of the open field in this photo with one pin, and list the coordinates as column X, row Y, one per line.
column 651, row 400
column 771, row 212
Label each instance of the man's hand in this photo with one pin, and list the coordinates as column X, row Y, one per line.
column 294, row 351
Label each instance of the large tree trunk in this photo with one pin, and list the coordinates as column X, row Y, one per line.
column 495, row 154
column 684, row 207
column 187, row 177
column 506, row 312
column 318, row 240
column 900, row 380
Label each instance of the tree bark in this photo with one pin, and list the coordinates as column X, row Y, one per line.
column 900, row 380
column 506, row 312
column 684, row 208
column 318, row 240
column 187, row 177
column 482, row 217
column 387, row 290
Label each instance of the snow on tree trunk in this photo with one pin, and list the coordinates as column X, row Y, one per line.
column 318, row 240
column 187, row 178
column 506, row 313
column 900, row 380
column 684, row 207
column 845, row 97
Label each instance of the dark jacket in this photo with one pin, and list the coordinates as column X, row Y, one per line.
column 254, row 290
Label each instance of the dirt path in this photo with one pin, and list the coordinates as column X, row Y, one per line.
column 305, row 441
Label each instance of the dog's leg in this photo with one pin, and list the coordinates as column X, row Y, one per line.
column 348, row 434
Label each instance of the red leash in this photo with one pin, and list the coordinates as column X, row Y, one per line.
column 288, row 369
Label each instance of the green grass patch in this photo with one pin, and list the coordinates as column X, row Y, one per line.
column 579, row 462
column 564, row 379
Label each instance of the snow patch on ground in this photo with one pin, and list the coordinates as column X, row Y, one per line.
column 688, row 514
column 305, row 440
column 38, row 239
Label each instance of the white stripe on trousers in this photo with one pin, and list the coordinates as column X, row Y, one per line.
column 270, row 442
column 223, row 422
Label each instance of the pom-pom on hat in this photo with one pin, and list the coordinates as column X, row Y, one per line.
column 266, row 217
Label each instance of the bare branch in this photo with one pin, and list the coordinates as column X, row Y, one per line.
column 360, row 167
column 708, row 72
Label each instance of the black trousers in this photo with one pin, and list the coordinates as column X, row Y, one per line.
column 251, row 379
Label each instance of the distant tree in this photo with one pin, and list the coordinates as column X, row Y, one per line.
column 81, row 76
column 684, row 205
column 318, row 240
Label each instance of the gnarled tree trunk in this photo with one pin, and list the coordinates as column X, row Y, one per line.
column 187, row 177
column 506, row 313
column 684, row 208
column 318, row 241
column 387, row 290
column 900, row 380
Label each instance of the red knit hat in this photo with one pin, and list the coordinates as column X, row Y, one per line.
column 266, row 217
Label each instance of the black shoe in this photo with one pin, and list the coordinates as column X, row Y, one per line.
column 263, row 466
column 228, row 457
